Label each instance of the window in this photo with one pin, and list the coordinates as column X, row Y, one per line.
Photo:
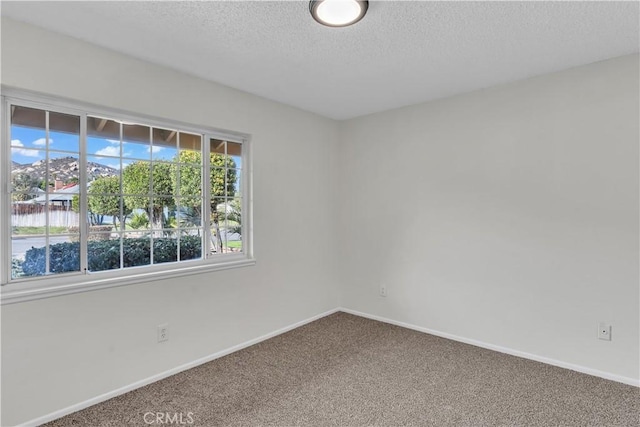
column 100, row 198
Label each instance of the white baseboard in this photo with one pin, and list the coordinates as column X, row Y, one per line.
column 106, row 396
column 125, row 389
column 548, row 361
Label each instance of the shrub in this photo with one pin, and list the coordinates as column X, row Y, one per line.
column 62, row 258
column 139, row 220
column 16, row 267
column 105, row 254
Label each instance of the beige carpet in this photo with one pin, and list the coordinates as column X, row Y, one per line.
column 344, row 370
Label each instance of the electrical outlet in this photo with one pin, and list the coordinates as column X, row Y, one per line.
column 383, row 290
column 163, row 332
column 604, row 331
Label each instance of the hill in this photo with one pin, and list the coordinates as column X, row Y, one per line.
column 63, row 168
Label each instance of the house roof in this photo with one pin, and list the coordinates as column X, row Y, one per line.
column 66, row 193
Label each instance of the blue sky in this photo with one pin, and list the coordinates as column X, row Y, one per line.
column 28, row 144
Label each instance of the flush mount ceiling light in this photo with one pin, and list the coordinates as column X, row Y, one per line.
column 338, row 13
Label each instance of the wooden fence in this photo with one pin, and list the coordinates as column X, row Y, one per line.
column 35, row 215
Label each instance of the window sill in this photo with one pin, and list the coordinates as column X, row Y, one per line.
column 29, row 290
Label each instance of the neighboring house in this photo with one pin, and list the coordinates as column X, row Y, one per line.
column 62, row 196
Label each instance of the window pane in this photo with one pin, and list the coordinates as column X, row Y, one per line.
column 28, row 218
column 99, row 166
column 42, row 209
column 63, row 220
column 19, row 247
column 217, row 224
column 217, row 146
column 136, row 250
column 190, row 244
column 230, row 225
column 28, row 129
column 137, row 220
column 28, row 173
column 64, row 254
column 164, row 145
column 64, row 132
column 238, row 185
column 26, row 180
column 232, row 180
column 218, row 161
column 189, row 212
column 104, row 251
column 103, row 147
column 29, row 255
column 107, row 184
column 234, row 151
column 103, row 128
column 233, row 225
column 103, row 137
column 162, row 181
column 165, row 249
column 190, row 180
column 190, row 148
column 137, row 140
column 136, row 180
column 218, row 179
column 163, row 213
column 63, row 173
column 225, row 153
column 63, row 211
column 103, row 209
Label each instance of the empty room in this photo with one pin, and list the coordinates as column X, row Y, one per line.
column 320, row 213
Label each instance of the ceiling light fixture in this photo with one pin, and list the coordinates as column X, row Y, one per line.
column 338, row 13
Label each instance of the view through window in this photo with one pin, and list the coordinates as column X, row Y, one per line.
column 92, row 194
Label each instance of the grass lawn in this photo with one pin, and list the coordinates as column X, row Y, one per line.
column 236, row 244
column 38, row 230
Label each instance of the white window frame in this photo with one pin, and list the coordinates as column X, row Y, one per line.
column 31, row 288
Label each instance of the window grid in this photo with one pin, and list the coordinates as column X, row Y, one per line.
column 48, row 180
column 47, row 177
column 156, row 217
column 152, row 195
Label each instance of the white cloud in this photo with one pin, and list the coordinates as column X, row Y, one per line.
column 154, row 149
column 41, row 142
column 16, row 143
column 109, row 151
column 114, row 141
column 112, row 151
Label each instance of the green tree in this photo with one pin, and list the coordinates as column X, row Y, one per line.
column 139, row 220
column 138, row 179
column 222, row 178
column 22, row 184
column 100, row 203
column 103, row 199
column 234, row 216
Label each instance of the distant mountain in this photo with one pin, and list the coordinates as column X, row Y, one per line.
column 63, row 168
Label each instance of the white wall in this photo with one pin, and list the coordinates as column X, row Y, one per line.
column 507, row 215
column 61, row 351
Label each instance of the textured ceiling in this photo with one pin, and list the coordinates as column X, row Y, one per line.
column 401, row 53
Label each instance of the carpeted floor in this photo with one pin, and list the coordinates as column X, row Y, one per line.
column 344, row 370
